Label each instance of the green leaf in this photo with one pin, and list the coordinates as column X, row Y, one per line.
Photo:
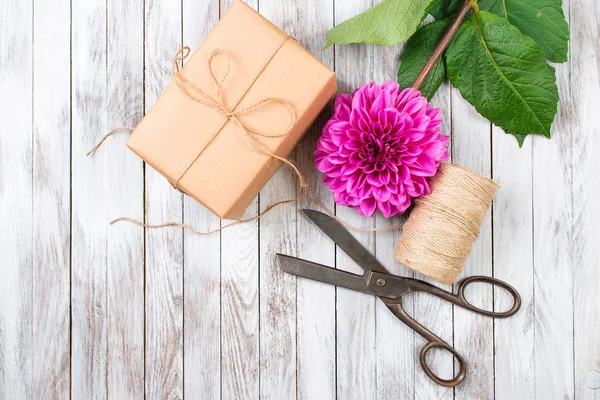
column 520, row 138
column 388, row 23
column 504, row 74
column 418, row 50
column 445, row 8
column 542, row 20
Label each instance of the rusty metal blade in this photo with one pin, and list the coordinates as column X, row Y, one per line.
column 322, row 273
column 372, row 282
column 345, row 241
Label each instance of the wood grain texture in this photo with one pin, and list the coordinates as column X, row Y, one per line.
column 584, row 71
column 514, row 340
column 202, row 257
column 125, row 197
column 240, row 300
column 315, row 301
column 16, row 175
column 89, row 364
column 395, row 342
column 278, row 234
column 277, row 292
column 239, row 311
column 433, row 312
column 164, row 247
column 553, row 247
column 356, row 337
column 51, row 200
column 473, row 333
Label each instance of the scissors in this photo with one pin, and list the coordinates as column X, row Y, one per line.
column 390, row 288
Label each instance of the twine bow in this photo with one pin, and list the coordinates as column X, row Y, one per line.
column 194, row 93
column 232, row 114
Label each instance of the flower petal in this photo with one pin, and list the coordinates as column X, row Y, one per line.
column 385, row 208
column 368, row 207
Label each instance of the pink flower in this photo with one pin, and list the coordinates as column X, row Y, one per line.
column 379, row 148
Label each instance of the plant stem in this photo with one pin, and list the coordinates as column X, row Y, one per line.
column 441, row 47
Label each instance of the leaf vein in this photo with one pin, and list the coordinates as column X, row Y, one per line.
column 504, row 76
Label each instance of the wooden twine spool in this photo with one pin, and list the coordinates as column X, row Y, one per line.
column 441, row 229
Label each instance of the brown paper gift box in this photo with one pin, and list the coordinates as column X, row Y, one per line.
column 229, row 173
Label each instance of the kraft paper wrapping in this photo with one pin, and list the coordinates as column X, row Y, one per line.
column 230, row 172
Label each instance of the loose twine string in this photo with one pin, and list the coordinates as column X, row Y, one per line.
column 200, row 96
column 438, row 236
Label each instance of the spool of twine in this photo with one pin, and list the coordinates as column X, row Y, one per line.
column 441, row 229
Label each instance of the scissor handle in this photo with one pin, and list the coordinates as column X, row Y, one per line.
column 494, row 282
column 462, row 366
column 433, row 342
column 459, row 298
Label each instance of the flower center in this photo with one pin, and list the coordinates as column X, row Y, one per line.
column 378, row 152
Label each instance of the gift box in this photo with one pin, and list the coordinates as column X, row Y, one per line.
column 245, row 98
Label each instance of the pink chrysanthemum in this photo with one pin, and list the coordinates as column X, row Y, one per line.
column 379, row 148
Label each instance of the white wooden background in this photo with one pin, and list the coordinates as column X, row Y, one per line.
column 89, row 310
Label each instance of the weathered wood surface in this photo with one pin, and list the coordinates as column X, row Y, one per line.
column 89, row 177
column 90, row 310
column 356, row 346
column 579, row 116
column 202, row 259
column 51, row 201
column 125, row 195
column 164, row 247
column 16, row 194
column 316, row 359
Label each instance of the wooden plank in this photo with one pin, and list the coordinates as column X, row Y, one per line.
column 395, row 341
column 240, row 301
column 277, row 289
column 239, row 310
column 277, row 292
column 473, row 333
column 278, row 235
column 315, row 301
column 164, row 247
column 514, row 340
column 125, row 197
column 433, row 312
column 16, row 176
column 584, row 133
column 51, row 199
column 89, row 202
column 553, row 246
column 202, row 257
column 356, row 348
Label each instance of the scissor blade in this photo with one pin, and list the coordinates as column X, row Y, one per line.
column 345, row 241
column 322, row 273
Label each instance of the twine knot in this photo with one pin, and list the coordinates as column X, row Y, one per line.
column 194, row 93
column 232, row 114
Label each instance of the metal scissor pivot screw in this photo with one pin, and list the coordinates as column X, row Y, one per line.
column 380, row 282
